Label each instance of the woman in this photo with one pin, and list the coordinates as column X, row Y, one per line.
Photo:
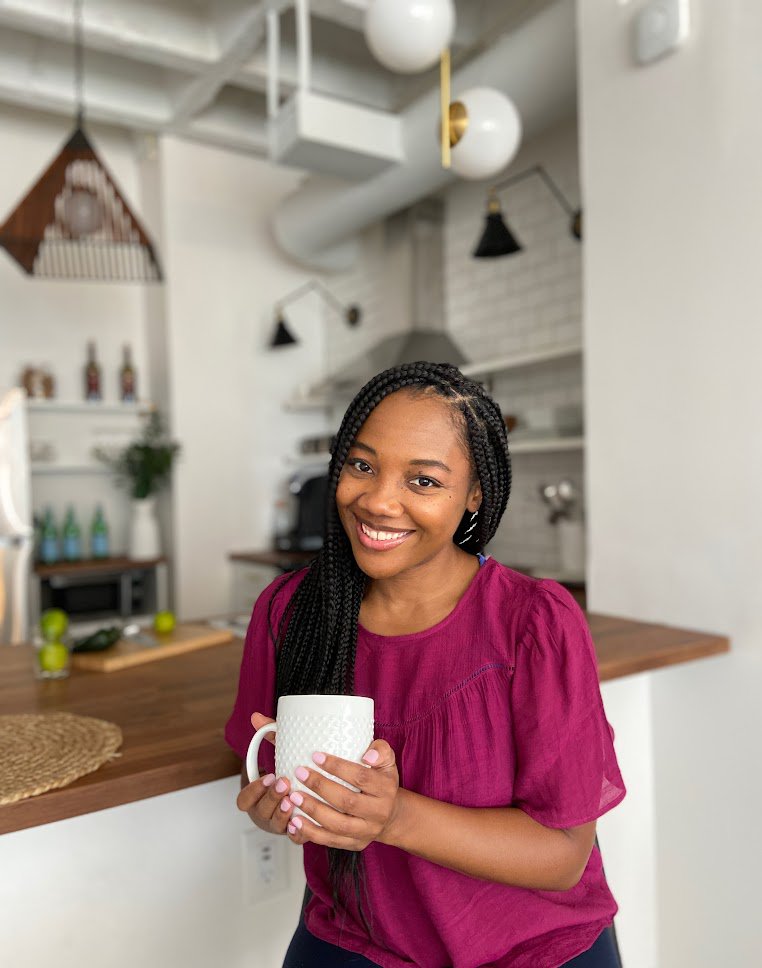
column 472, row 841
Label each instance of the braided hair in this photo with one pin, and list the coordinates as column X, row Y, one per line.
column 317, row 636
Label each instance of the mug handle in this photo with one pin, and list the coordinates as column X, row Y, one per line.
column 252, row 767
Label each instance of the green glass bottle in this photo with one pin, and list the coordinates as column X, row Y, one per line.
column 49, row 539
column 99, row 535
column 71, row 537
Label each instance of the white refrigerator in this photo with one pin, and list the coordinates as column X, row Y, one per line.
column 16, row 531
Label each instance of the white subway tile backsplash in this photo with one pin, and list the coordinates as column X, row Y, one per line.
column 531, row 300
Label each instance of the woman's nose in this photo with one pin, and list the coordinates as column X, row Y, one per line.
column 381, row 497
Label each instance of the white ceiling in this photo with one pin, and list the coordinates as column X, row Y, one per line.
column 198, row 68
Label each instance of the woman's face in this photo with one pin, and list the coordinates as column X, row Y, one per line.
column 404, row 487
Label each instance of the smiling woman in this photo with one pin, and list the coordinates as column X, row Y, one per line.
column 492, row 759
column 407, row 482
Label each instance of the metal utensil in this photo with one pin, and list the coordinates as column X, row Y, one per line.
column 134, row 633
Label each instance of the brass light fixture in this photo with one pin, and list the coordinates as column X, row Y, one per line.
column 282, row 335
column 74, row 223
column 497, row 239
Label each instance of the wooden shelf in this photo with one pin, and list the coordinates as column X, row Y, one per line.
column 94, row 566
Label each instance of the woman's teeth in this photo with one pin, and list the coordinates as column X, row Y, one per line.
column 381, row 535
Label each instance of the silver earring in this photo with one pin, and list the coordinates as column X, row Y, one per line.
column 470, row 528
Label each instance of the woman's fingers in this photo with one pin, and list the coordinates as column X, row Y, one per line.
column 267, row 803
column 258, row 721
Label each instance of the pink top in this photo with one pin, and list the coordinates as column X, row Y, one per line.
column 497, row 705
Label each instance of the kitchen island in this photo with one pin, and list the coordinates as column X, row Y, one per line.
column 148, row 861
column 172, row 712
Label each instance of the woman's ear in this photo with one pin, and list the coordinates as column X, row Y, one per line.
column 475, row 498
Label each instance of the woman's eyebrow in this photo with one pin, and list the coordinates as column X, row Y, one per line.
column 428, row 462
column 361, row 446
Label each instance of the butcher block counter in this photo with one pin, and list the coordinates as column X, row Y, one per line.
column 172, row 712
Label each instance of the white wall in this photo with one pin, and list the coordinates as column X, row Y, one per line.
column 227, row 387
column 673, row 342
column 167, row 881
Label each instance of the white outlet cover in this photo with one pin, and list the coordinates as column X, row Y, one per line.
column 660, row 28
column 264, row 866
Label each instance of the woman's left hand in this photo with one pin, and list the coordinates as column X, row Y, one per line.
column 347, row 820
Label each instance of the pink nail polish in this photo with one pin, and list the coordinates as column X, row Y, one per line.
column 285, row 805
column 297, row 822
column 319, row 758
column 268, row 780
column 291, row 829
column 296, row 798
column 281, row 786
column 371, row 756
column 301, row 774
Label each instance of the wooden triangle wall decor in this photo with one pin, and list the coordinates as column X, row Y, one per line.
column 75, row 224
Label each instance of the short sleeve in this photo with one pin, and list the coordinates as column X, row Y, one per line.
column 566, row 768
column 256, row 680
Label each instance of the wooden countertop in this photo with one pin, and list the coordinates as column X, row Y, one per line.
column 173, row 712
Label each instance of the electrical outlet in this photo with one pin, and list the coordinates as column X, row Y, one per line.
column 265, row 866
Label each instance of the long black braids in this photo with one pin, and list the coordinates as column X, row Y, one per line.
column 317, row 637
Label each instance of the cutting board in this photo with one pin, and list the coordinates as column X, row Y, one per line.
column 126, row 653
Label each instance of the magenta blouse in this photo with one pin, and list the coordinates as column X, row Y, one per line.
column 497, row 705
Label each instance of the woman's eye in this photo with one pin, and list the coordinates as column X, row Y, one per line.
column 427, row 483
column 359, row 465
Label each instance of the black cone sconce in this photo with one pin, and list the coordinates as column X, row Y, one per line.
column 282, row 335
column 496, row 238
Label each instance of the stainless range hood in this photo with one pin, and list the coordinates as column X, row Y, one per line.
column 419, row 232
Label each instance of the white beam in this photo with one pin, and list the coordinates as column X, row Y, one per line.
column 245, row 37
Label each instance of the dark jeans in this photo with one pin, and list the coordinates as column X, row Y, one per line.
column 307, row 951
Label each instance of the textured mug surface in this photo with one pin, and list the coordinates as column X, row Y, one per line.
column 339, row 725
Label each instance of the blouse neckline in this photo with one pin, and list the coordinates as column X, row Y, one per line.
column 377, row 638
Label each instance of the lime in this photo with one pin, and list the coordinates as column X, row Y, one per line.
column 164, row 622
column 53, row 656
column 53, row 624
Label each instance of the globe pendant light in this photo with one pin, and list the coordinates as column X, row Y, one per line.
column 485, row 132
column 408, row 36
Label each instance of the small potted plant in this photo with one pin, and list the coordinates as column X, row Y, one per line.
column 143, row 468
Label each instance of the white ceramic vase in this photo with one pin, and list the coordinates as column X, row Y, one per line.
column 571, row 543
column 144, row 540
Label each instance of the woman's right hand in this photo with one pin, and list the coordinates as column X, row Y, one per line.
column 262, row 798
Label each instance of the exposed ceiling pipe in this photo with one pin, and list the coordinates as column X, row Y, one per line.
column 535, row 64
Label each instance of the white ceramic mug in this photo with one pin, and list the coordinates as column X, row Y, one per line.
column 339, row 725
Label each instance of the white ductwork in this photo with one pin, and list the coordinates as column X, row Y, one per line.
column 535, row 64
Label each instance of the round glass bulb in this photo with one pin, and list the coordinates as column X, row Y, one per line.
column 492, row 136
column 409, row 35
column 82, row 212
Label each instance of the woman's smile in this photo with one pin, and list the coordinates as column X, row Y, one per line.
column 378, row 539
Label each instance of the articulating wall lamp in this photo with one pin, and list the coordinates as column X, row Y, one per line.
column 497, row 239
column 282, row 335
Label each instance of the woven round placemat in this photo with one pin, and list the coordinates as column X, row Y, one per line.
column 47, row 751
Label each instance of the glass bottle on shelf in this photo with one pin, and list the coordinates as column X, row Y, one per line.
column 99, row 546
column 127, row 377
column 92, row 375
column 71, row 542
column 49, row 539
